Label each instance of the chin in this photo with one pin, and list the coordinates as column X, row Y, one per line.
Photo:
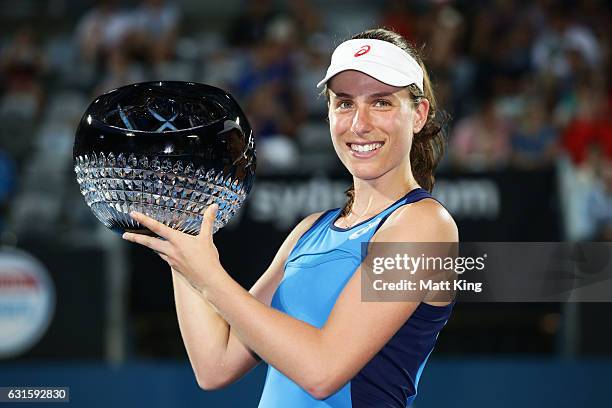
column 366, row 172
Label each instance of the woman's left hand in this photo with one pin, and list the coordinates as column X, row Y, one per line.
column 194, row 257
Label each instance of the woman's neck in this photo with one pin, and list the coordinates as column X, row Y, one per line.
column 372, row 196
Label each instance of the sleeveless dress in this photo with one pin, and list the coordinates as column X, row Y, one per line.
column 317, row 269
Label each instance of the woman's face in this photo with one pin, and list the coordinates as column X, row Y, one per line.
column 372, row 123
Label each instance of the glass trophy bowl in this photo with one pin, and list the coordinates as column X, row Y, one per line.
column 166, row 149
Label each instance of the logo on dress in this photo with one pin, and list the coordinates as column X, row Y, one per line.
column 363, row 50
column 363, row 230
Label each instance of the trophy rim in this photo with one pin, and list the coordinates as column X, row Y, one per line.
column 93, row 121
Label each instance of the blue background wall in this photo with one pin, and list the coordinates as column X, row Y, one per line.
column 473, row 383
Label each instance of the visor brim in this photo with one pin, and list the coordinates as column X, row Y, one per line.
column 385, row 74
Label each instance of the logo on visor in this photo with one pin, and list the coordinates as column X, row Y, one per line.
column 363, row 50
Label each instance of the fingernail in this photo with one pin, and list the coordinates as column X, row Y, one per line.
column 124, row 235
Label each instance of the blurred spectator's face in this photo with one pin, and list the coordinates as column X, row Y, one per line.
column 367, row 114
column 606, row 174
column 24, row 36
column 575, row 59
column 259, row 8
column 590, row 102
column 535, row 116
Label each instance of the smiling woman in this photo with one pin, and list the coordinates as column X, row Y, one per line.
column 324, row 345
column 372, row 124
column 427, row 147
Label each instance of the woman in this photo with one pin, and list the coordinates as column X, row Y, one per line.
column 305, row 316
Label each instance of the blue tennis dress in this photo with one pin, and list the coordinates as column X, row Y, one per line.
column 317, row 269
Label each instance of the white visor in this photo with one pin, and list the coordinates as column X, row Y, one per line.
column 379, row 59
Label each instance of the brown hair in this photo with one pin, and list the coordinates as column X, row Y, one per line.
column 429, row 143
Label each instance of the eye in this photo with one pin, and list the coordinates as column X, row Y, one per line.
column 344, row 104
column 382, row 103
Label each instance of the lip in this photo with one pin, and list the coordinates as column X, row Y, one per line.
column 364, row 155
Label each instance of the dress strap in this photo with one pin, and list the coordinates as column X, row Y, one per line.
column 415, row 195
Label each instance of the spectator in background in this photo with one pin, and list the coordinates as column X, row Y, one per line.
column 120, row 70
column 481, row 141
column 8, row 183
column 22, row 66
column 563, row 32
column 492, row 58
column 311, row 65
column 249, row 28
column 155, row 29
column 100, row 31
column 570, row 89
column 591, row 125
column 267, row 83
column 399, row 16
column 534, row 140
column 442, row 33
column 307, row 20
column 443, row 37
column 599, row 203
column 310, row 57
column 109, row 36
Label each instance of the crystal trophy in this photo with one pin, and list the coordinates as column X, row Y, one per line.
column 166, row 149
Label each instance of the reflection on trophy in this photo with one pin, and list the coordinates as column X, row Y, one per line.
column 166, row 149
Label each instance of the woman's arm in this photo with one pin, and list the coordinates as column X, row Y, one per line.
column 319, row 360
column 217, row 356
column 322, row 360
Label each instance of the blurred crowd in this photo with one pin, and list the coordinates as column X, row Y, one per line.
column 526, row 83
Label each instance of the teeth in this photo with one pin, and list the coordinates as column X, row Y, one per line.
column 365, row 148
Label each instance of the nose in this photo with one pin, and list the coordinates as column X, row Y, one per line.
column 361, row 124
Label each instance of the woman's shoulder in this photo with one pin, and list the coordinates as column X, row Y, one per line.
column 308, row 222
column 298, row 231
column 311, row 219
column 423, row 221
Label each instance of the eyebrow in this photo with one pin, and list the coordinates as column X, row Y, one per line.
column 374, row 95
